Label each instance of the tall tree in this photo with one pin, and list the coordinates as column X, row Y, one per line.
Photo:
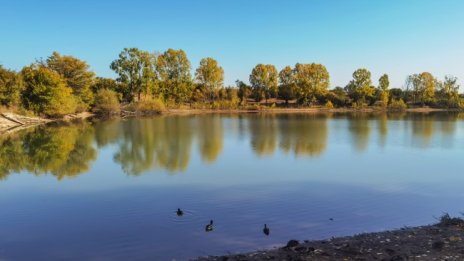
column 210, row 75
column 136, row 70
column 264, row 81
column 244, row 91
column 423, row 87
column 312, row 81
column 450, row 89
column 384, row 83
column 287, row 87
column 76, row 73
column 46, row 92
column 10, row 87
column 360, row 89
column 174, row 67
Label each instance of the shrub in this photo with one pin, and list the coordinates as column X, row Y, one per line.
column 461, row 104
column 329, row 105
column 398, row 104
column 149, row 106
column 225, row 104
column 106, row 102
column 447, row 220
column 359, row 105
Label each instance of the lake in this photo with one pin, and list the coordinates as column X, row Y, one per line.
column 109, row 189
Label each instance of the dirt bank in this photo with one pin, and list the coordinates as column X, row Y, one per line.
column 11, row 122
column 443, row 241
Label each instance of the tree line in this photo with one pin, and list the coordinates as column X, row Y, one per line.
column 63, row 84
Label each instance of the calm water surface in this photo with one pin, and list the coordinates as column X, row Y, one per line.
column 108, row 190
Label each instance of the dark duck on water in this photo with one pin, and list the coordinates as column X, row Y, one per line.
column 266, row 230
column 209, row 227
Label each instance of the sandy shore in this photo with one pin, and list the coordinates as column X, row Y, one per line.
column 443, row 241
column 11, row 122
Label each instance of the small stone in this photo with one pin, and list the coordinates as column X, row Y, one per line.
column 438, row 245
column 390, row 251
column 292, row 243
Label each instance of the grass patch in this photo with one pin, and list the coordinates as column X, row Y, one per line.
column 446, row 220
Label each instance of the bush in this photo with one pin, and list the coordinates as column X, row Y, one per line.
column 359, row 105
column 225, row 104
column 398, row 104
column 106, row 102
column 149, row 106
column 461, row 104
column 329, row 105
column 447, row 220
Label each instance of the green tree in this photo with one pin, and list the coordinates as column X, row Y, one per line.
column 77, row 75
column 244, row 91
column 10, row 87
column 263, row 79
column 383, row 92
column 450, row 91
column 338, row 96
column 210, row 75
column 174, row 67
column 312, row 81
column 423, row 87
column 287, row 87
column 136, row 70
column 45, row 91
column 360, row 88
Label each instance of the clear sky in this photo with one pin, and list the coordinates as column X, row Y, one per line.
column 397, row 37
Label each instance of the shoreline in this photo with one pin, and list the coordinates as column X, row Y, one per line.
column 11, row 122
column 442, row 241
column 304, row 110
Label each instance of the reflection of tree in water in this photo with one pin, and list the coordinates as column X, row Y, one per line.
column 263, row 131
column 11, row 156
column 382, row 121
column 163, row 142
column 360, row 129
column 210, row 136
column 166, row 142
column 63, row 151
column 448, row 123
column 107, row 131
column 304, row 134
column 424, row 126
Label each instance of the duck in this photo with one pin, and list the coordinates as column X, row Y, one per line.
column 266, row 230
column 209, row 227
column 331, row 219
column 179, row 212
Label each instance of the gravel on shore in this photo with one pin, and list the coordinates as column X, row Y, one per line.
column 442, row 241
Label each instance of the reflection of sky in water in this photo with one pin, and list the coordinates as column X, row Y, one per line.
column 293, row 172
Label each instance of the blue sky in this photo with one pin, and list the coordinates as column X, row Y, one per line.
column 386, row 36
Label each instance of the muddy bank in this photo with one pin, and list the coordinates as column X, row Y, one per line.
column 443, row 241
